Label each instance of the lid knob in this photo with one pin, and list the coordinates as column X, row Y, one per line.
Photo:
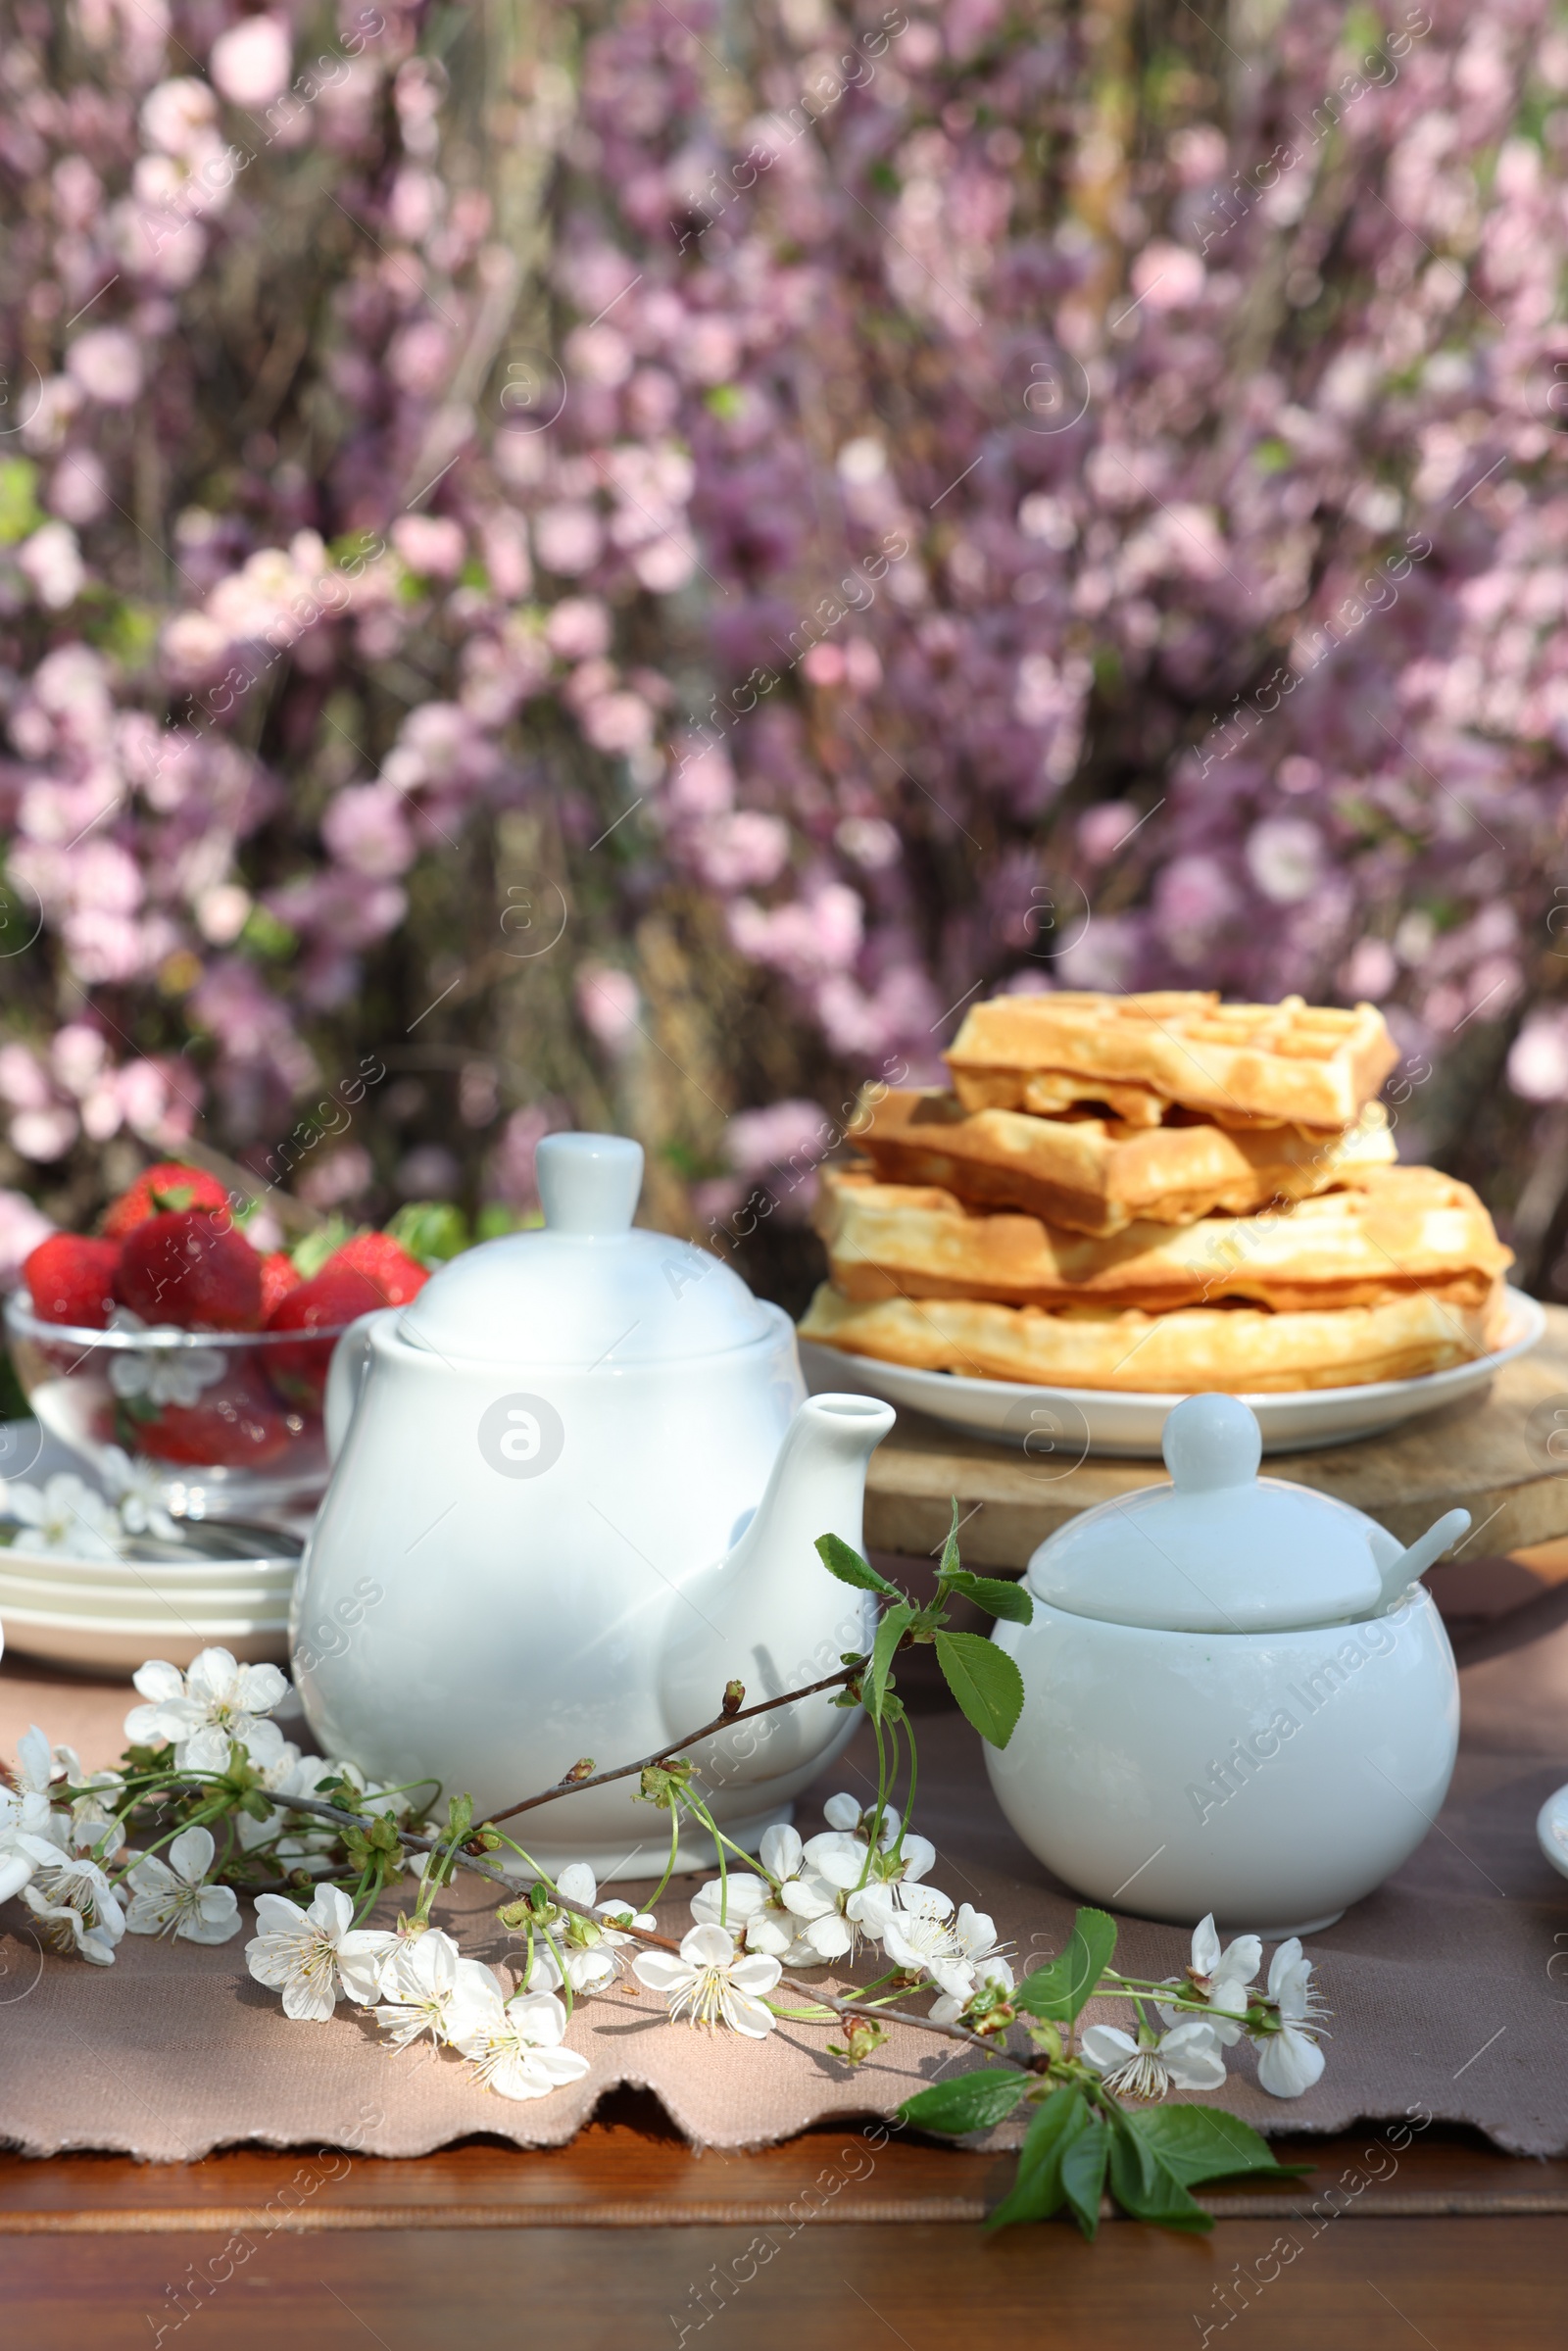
column 1209, row 1441
column 589, row 1184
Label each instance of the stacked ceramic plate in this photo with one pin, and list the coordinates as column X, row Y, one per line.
column 212, row 1586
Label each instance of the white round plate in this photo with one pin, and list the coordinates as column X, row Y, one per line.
column 1551, row 1829
column 149, row 1597
column 111, row 1644
column 135, row 1575
column 1060, row 1427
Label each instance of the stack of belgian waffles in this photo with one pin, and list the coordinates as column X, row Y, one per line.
column 1154, row 1193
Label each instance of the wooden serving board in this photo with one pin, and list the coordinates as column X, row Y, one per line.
column 1487, row 1455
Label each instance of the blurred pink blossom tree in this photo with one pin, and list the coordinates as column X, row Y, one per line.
column 633, row 560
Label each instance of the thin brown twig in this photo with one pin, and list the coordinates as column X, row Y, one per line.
column 318, row 1806
column 904, row 2015
column 721, row 1722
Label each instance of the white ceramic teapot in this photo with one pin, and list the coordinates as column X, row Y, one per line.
column 1237, row 1699
column 576, row 1490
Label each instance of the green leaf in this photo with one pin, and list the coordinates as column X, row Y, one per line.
column 1201, row 2143
column 996, row 1594
column 840, row 1560
column 950, row 1550
column 1037, row 2190
column 968, row 2102
column 986, row 1683
column 1058, row 1992
column 1146, row 2186
column 889, row 1633
column 1082, row 2173
column 432, row 1230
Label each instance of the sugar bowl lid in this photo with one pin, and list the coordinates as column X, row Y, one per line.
column 1218, row 1550
column 588, row 1291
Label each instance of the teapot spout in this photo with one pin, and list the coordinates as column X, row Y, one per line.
column 769, row 1614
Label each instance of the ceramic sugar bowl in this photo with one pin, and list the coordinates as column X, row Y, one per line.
column 578, row 1488
column 1237, row 1699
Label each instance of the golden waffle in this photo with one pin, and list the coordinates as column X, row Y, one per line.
column 1048, row 1093
column 1242, row 1349
column 1403, row 1229
column 1298, row 1063
column 1097, row 1175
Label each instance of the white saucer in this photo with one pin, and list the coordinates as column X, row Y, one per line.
column 1551, row 1829
column 1060, row 1427
column 111, row 1615
column 117, row 1644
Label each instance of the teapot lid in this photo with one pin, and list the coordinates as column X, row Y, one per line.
column 587, row 1290
column 1218, row 1550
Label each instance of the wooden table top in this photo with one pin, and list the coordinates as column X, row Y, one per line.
column 628, row 2237
column 1486, row 1455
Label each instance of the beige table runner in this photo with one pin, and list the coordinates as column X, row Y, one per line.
column 1449, row 1987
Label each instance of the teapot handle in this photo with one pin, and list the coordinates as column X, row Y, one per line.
column 345, row 1380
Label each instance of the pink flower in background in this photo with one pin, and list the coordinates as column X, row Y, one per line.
column 610, row 1001
column 429, row 545
column 1168, row 278
column 104, row 363
column 251, row 63
column 21, row 1228
column 179, row 117
column 1285, row 858
column 1538, row 1059
column 52, row 560
column 365, row 828
column 78, row 488
column 567, row 539
column 743, row 850
column 579, row 629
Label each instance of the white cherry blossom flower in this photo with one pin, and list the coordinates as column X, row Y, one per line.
column 588, row 1950
column 137, row 1492
column 88, row 1825
column 516, row 2044
column 924, row 1941
column 26, row 1837
column 711, row 1982
column 315, row 1957
column 1220, row 1977
column 1289, row 2060
column 78, row 1910
column 216, row 1700
column 35, row 1774
column 791, row 1915
column 67, row 1519
column 428, row 1986
column 364, row 1958
column 163, row 1375
column 22, row 1852
column 975, row 1936
column 173, row 1897
column 1188, row 2056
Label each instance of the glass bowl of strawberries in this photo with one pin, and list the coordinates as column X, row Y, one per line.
column 169, row 1336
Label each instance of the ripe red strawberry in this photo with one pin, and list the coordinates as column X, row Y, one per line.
column 331, row 1299
column 184, row 1267
column 163, row 1188
column 236, row 1426
column 72, row 1279
column 398, row 1276
column 279, row 1275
